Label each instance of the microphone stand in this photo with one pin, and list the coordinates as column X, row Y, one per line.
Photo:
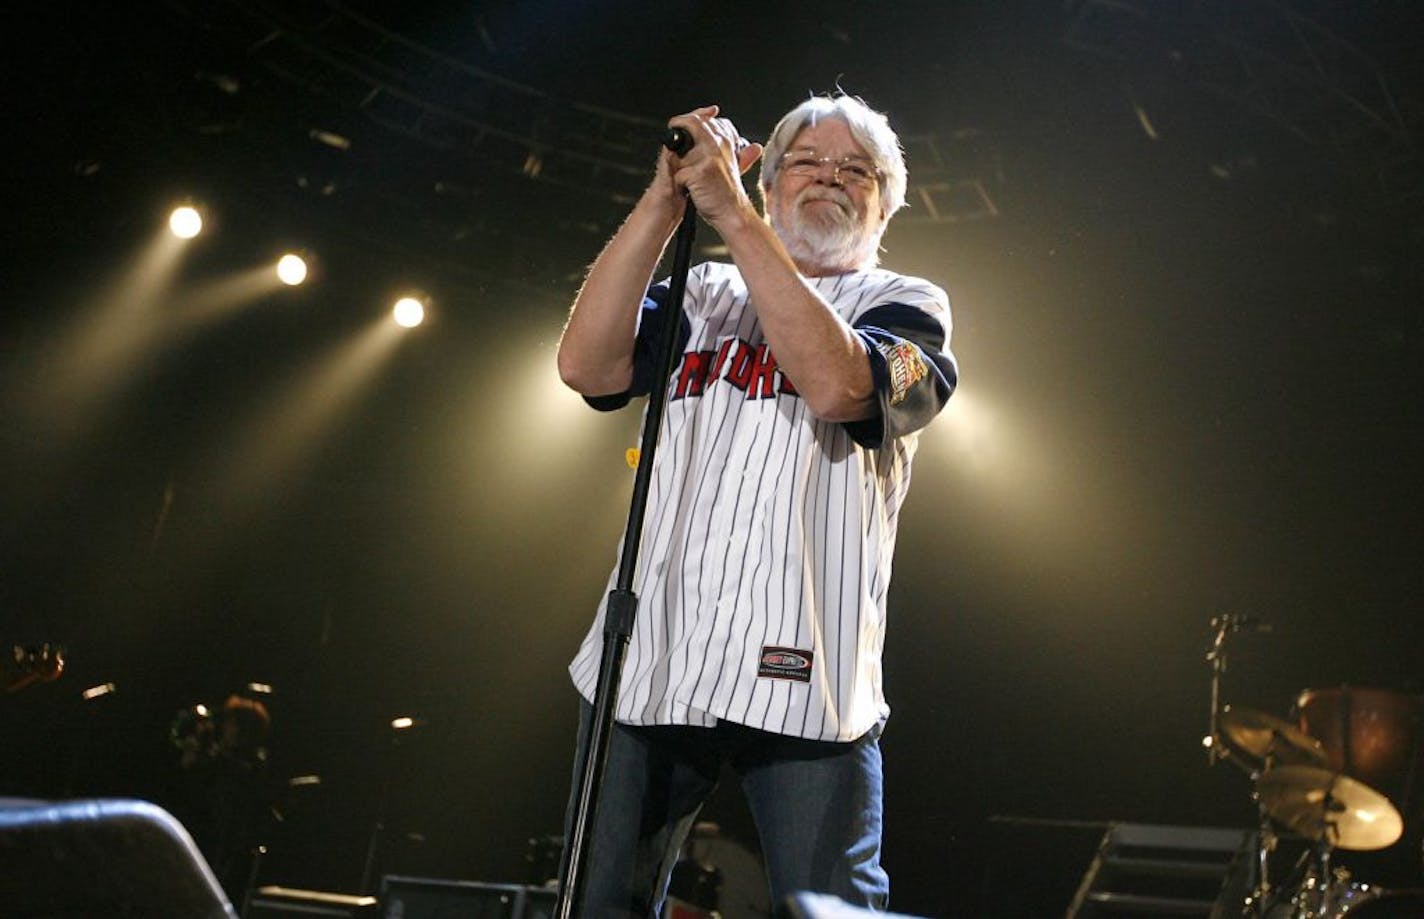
column 622, row 608
column 1215, row 751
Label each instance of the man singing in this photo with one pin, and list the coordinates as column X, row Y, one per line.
column 792, row 418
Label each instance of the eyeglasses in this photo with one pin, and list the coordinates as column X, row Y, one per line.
column 846, row 170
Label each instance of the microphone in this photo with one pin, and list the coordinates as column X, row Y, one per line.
column 679, row 141
column 1237, row 622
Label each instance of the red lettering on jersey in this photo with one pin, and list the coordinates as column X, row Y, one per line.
column 751, row 369
column 715, row 372
column 693, row 377
column 739, row 374
column 763, row 376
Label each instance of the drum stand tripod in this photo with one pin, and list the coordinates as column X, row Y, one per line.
column 1320, row 891
column 1258, row 901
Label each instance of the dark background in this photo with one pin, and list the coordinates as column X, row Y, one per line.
column 1183, row 246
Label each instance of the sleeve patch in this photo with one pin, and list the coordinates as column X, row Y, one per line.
column 906, row 366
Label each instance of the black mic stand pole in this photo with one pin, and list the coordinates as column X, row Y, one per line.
column 622, row 607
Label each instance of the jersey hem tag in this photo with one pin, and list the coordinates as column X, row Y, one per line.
column 779, row 663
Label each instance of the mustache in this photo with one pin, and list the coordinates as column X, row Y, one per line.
column 821, row 193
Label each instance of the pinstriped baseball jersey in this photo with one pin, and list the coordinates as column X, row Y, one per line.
column 766, row 549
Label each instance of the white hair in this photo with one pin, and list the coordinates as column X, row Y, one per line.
column 870, row 129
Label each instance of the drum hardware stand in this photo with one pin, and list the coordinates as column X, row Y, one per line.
column 1224, row 624
column 1308, row 893
column 1315, row 895
column 250, row 887
column 1215, row 749
column 1259, row 900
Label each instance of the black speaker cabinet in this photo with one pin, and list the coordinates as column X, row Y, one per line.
column 108, row 857
column 428, row 898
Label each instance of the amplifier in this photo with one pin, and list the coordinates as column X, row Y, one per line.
column 432, row 898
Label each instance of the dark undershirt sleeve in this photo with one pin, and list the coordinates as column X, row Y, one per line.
column 645, row 357
column 912, row 368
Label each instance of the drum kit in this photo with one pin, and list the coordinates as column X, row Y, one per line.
column 1332, row 778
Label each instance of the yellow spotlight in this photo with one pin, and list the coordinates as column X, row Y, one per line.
column 185, row 222
column 409, row 312
column 291, row 269
column 95, row 692
column 402, row 723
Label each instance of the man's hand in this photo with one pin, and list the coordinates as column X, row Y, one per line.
column 711, row 171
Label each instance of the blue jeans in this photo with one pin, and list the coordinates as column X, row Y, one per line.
column 817, row 807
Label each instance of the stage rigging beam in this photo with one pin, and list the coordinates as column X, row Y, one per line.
column 1274, row 60
column 360, row 66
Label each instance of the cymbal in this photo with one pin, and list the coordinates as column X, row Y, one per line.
column 1320, row 804
column 1263, row 740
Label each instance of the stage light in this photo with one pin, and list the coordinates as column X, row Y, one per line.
column 261, row 688
column 409, row 312
column 185, row 222
column 291, row 269
column 405, row 722
column 292, row 422
column 96, row 692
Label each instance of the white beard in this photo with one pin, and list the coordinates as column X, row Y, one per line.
column 825, row 235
